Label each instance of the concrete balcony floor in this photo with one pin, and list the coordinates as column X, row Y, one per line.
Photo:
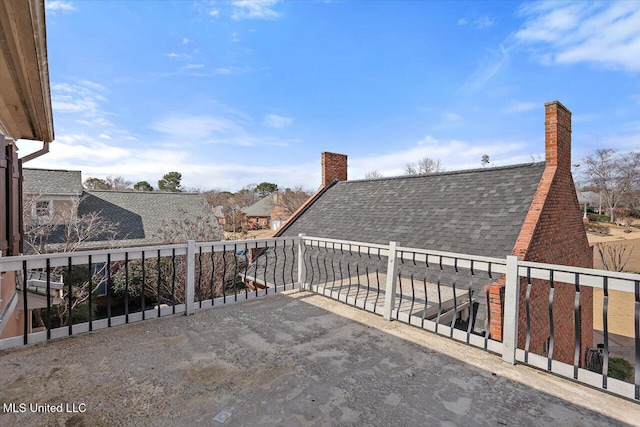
column 291, row 359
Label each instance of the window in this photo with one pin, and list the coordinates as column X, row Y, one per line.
column 42, row 209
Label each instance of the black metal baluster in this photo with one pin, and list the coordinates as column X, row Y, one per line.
column 426, row 298
column 213, row 277
column 255, row 270
column 439, row 294
column 235, row 272
column 293, row 263
column 25, row 304
column 275, row 265
column 318, row 265
column 326, row 270
column 109, row 290
column 306, row 264
column 90, row 294
column 159, row 282
column 224, row 273
column 173, row 280
column 142, row 287
column 349, row 274
column 266, row 261
column 527, row 305
column 637, row 339
column 377, row 280
column 455, row 298
column 333, row 271
column 200, row 276
column 358, row 275
column 69, row 295
column 246, row 266
column 576, row 327
column 126, row 287
column 48, row 299
column 605, row 324
column 551, row 328
column 470, row 319
column 340, row 269
column 284, row 264
column 400, row 284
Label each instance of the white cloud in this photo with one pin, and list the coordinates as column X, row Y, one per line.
column 186, row 40
column 277, row 122
column 254, row 9
column 452, row 117
column 454, row 155
column 478, row 23
column 604, row 34
column 193, row 66
column 495, row 62
column 520, row 107
column 82, row 100
column 213, row 12
column 54, row 6
column 172, row 55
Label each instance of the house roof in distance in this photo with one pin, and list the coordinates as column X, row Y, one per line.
column 477, row 212
column 52, row 181
column 141, row 214
column 262, row 207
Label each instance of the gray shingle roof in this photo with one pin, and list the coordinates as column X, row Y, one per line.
column 140, row 214
column 478, row 212
column 262, row 207
column 51, row 181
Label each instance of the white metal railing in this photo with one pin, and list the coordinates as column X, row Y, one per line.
column 433, row 290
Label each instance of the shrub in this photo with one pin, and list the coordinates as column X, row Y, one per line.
column 594, row 227
column 598, row 218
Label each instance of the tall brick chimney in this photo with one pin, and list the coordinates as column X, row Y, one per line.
column 334, row 166
column 557, row 126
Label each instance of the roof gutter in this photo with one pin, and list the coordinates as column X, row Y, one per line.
column 44, row 150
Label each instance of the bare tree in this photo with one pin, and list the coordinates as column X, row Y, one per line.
column 485, row 160
column 425, row 166
column 65, row 229
column 372, row 175
column 614, row 257
column 289, row 201
column 616, row 176
column 246, row 196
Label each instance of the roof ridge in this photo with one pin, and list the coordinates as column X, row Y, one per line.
column 51, row 170
column 455, row 172
column 190, row 193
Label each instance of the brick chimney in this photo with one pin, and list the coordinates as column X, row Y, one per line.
column 557, row 126
column 334, row 166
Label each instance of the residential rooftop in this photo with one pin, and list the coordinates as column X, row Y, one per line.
column 295, row 358
column 52, row 182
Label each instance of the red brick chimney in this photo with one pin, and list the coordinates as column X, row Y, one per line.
column 334, row 166
column 557, row 126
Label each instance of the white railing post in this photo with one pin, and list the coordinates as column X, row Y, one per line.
column 511, row 304
column 191, row 278
column 390, row 291
column 302, row 273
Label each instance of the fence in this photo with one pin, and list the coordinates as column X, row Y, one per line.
column 547, row 309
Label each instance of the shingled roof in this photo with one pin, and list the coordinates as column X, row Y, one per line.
column 52, row 181
column 141, row 214
column 262, row 207
column 478, row 212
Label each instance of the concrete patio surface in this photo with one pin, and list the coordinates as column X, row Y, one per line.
column 294, row 359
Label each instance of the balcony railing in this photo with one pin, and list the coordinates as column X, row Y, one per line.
column 544, row 306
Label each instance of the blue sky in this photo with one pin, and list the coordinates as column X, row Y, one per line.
column 231, row 93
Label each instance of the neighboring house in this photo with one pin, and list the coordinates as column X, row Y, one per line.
column 528, row 210
column 53, row 192
column 25, row 113
column 143, row 217
column 258, row 215
column 218, row 211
